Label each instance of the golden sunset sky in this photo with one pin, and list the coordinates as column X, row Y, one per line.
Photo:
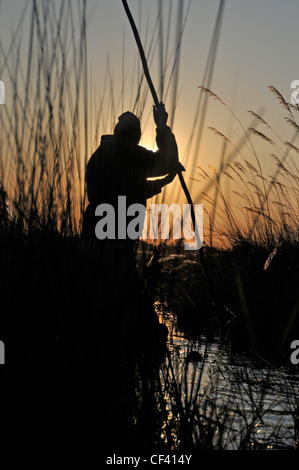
column 257, row 48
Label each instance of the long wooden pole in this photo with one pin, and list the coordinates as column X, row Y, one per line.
column 156, row 101
column 181, row 178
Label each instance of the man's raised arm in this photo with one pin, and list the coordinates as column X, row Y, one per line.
column 166, row 159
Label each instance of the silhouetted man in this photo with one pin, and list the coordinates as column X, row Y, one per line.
column 120, row 167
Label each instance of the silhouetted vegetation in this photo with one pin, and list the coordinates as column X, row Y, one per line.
column 87, row 367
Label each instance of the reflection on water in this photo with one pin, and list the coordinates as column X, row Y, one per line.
column 226, row 397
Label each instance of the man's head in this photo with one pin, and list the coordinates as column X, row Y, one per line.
column 128, row 128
